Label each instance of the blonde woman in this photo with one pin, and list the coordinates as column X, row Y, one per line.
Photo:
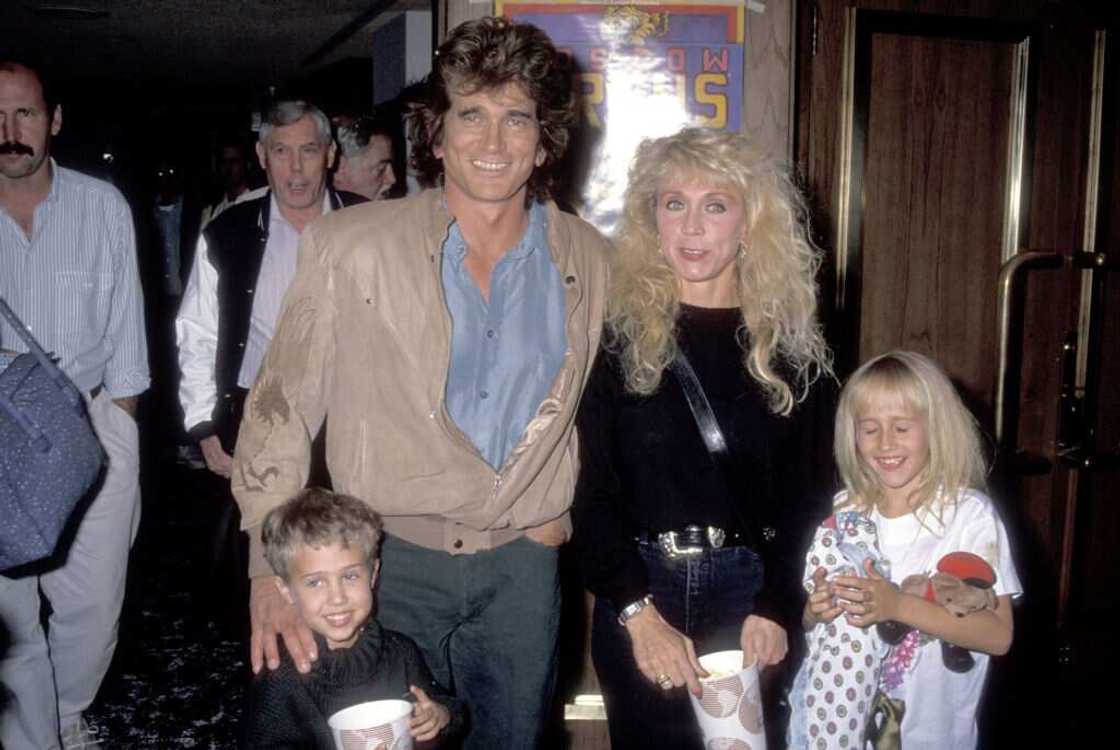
column 686, row 552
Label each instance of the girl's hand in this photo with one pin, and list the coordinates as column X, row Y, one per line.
column 428, row 717
column 764, row 640
column 663, row 651
column 822, row 606
column 867, row 601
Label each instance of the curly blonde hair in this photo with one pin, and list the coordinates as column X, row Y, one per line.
column 956, row 458
column 783, row 349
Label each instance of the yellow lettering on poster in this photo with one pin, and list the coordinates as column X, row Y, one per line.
column 703, row 91
column 593, row 93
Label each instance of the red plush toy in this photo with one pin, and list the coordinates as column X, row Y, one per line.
column 962, row 584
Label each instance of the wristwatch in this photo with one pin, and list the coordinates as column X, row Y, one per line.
column 634, row 608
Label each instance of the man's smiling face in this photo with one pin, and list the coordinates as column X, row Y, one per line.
column 490, row 145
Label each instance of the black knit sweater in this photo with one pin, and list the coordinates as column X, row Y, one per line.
column 644, row 466
column 289, row 710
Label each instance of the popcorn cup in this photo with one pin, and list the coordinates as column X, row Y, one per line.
column 730, row 709
column 376, row 725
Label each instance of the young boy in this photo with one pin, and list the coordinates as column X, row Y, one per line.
column 323, row 548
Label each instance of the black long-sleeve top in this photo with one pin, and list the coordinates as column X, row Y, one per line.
column 645, row 467
column 288, row 710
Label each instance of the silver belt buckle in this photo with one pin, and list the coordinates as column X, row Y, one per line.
column 672, row 549
column 668, row 540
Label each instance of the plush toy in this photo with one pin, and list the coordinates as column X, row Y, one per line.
column 832, row 692
column 962, row 584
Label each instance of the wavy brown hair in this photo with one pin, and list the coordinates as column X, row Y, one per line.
column 487, row 54
column 316, row 517
column 783, row 349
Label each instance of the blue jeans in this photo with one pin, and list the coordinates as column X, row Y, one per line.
column 487, row 625
column 706, row 597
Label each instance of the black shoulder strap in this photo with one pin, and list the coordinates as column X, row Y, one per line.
column 701, row 410
column 713, row 437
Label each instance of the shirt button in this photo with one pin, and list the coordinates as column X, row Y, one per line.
column 484, row 394
column 241, row 345
column 457, row 544
column 570, row 280
column 250, row 291
column 490, row 334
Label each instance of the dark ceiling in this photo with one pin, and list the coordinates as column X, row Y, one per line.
column 187, row 44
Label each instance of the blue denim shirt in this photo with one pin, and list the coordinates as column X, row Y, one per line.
column 505, row 354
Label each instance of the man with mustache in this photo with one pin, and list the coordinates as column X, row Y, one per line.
column 244, row 261
column 68, row 268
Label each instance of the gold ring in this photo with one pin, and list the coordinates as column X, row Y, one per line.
column 664, row 681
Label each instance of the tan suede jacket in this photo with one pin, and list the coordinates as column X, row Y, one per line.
column 364, row 337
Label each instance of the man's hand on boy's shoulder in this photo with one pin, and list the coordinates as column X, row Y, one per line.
column 270, row 615
column 429, row 718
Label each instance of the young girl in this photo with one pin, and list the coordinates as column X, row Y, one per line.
column 909, row 455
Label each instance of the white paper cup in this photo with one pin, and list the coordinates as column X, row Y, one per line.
column 377, row 725
column 730, row 709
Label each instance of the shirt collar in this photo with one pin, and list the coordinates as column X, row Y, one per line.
column 535, row 237
column 56, row 178
column 276, row 217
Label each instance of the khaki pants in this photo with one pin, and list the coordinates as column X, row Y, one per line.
column 48, row 682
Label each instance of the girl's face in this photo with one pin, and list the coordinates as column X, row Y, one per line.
column 892, row 438
column 700, row 226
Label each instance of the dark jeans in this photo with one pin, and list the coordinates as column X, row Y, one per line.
column 706, row 597
column 487, row 624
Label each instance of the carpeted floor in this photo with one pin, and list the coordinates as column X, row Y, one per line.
column 177, row 679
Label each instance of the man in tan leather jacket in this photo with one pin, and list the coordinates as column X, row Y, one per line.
column 448, row 337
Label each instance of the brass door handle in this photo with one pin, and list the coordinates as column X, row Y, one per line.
column 1079, row 458
column 1009, row 275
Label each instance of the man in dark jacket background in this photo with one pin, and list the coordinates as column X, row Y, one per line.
column 244, row 262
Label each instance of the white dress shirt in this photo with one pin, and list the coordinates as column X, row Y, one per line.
column 196, row 327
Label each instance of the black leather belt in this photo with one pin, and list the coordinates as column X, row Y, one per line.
column 693, row 539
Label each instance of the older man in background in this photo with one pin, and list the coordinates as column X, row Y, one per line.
column 244, row 262
column 365, row 164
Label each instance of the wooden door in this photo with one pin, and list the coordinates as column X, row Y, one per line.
column 961, row 156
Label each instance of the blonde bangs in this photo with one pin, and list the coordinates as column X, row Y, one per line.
column 956, row 461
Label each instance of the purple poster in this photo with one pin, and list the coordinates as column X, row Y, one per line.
column 646, row 70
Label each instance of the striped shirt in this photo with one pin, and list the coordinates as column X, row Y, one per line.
column 75, row 284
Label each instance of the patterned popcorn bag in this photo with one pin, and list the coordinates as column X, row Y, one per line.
column 730, row 709
column 833, row 691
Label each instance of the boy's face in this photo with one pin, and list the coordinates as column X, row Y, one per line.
column 332, row 588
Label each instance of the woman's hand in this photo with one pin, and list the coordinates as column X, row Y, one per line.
column 867, row 601
column 764, row 640
column 663, row 651
column 428, row 717
column 822, row 606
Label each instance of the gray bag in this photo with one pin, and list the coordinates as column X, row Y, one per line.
column 49, row 453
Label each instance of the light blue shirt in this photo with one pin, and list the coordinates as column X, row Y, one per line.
column 75, row 284
column 505, row 354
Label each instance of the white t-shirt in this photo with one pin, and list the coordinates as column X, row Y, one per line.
column 940, row 706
